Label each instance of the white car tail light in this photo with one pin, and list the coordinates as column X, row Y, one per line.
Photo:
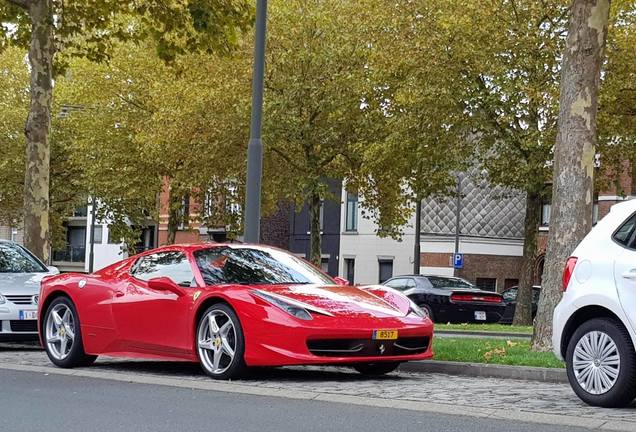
column 567, row 271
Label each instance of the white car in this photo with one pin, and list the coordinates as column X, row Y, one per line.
column 20, row 276
column 594, row 327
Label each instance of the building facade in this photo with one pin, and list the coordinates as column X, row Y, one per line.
column 490, row 235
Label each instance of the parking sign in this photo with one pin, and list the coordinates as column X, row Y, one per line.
column 458, row 261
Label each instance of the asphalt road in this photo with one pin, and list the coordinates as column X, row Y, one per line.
column 42, row 402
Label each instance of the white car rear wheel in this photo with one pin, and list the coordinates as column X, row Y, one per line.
column 601, row 363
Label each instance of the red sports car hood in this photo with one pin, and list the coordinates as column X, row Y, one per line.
column 337, row 300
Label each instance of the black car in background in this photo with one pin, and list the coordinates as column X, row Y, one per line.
column 510, row 300
column 450, row 299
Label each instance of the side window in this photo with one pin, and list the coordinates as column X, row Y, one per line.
column 410, row 283
column 398, row 284
column 172, row 264
column 625, row 234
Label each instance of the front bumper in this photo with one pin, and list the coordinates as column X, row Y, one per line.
column 12, row 325
column 282, row 340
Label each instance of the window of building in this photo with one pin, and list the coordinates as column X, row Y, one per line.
column 351, row 217
column 350, row 269
column 80, row 211
column 546, row 209
column 488, row 284
column 184, row 213
column 324, row 265
column 97, row 234
column 510, row 283
column 385, row 270
column 111, row 238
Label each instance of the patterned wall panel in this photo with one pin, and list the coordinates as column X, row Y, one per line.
column 486, row 211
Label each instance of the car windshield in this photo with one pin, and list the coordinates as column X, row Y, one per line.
column 15, row 259
column 256, row 266
column 446, row 282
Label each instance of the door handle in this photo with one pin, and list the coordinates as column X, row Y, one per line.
column 631, row 274
column 119, row 293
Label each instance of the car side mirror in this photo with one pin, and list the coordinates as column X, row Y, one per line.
column 53, row 270
column 164, row 283
column 341, row 281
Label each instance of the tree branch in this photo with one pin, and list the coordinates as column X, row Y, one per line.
column 24, row 4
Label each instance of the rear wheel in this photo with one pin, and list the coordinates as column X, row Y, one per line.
column 381, row 368
column 63, row 335
column 601, row 363
column 220, row 343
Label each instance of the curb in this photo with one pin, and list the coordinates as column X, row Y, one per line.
column 525, row 373
column 488, row 334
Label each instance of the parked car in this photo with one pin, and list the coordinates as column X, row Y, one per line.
column 228, row 307
column 450, row 299
column 20, row 276
column 594, row 326
column 510, row 300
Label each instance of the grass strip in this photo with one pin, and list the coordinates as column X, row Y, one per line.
column 498, row 328
column 492, row 351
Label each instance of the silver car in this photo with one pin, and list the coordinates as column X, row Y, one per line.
column 20, row 276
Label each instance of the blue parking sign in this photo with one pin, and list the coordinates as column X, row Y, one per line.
column 458, row 261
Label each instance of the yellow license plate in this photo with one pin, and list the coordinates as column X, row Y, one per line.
column 385, row 334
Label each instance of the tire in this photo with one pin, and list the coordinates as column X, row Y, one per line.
column 229, row 338
column 57, row 335
column 619, row 389
column 428, row 310
column 376, row 369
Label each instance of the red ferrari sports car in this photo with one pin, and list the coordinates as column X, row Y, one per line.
column 228, row 307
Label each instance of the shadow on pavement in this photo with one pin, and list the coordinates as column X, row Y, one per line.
column 20, row 346
column 296, row 373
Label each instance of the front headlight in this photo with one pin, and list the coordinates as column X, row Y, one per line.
column 292, row 309
column 2, row 299
column 415, row 309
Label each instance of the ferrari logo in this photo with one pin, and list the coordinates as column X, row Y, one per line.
column 382, row 349
column 196, row 295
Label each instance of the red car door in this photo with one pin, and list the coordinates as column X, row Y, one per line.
column 152, row 321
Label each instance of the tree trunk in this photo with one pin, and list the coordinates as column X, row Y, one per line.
column 37, row 128
column 572, row 200
column 418, row 235
column 175, row 217
column 523, row 310
column 315, row 255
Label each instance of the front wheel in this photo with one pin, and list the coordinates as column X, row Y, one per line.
column 63, row 335
column 220, row 343
column 381, row 368
column 601, row 363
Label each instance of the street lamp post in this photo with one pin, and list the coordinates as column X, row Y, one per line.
column 255, row 145
column 458, row 216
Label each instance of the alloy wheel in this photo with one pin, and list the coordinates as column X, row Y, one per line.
column 60, row 331
column 596, row 362
column 216, row 340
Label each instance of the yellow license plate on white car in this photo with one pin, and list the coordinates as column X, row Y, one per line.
column 385, row 334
